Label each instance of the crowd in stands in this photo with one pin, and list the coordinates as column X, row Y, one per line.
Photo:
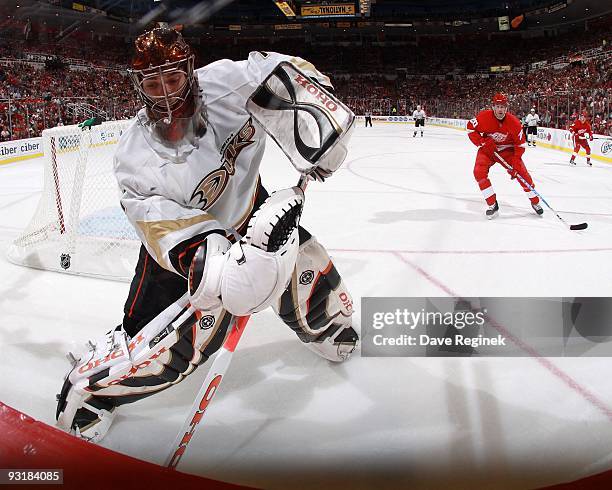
column 45, row 83
column 38, row 98
column 420, row 55
column 558, row 94
column 449, row 77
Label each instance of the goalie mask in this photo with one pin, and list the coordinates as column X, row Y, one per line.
column 163, row 75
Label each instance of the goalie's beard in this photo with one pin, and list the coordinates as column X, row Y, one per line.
column 175, row 131
column 176, row 127
column 175, row 138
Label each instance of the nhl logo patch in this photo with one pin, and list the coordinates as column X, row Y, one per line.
column 65, row 261
column 207, row 322
column 306, row 277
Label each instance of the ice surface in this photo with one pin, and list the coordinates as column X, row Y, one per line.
column 402, row 217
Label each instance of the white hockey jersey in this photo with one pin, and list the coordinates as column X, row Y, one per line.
column 215, row 189
column 418, row 114
column 532, row 120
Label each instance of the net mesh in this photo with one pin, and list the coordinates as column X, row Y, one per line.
column 78, row 226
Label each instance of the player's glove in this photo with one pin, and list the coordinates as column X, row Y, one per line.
column 320, row 174
column 331, row 162
column 515, row 163
column 269, row 106
column 87, row 124
column 489, row 147
column 251, row 274
column 591, row 138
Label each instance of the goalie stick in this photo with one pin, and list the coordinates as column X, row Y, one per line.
column 209, row 388
column 579, row 226
column 211, row 383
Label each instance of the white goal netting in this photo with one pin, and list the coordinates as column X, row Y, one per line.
column 79, row 227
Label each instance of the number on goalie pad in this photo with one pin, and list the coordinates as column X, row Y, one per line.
column 118, row 370
column 309, row 124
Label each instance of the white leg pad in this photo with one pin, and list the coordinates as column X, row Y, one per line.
column 117, row 368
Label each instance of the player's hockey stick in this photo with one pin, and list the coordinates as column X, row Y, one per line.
column 207, row 391
column 579, row 226
column 211, row 384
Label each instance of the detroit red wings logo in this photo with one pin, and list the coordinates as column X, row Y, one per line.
column 210, row 188
column 498, row 137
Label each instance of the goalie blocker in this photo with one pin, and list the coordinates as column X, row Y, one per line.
column 321, row 123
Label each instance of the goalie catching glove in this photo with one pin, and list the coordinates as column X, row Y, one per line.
column 251, row 274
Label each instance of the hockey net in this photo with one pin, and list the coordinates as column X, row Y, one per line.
column 78, row 226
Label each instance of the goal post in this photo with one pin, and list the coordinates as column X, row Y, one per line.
column 79, row 227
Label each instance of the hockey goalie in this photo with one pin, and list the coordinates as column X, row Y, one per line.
column 215, row 244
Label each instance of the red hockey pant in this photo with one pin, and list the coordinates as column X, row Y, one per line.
column 481, row 173
column 580, row 142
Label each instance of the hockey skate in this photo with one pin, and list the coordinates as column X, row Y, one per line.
column 75, row 413
column 572, row 161
column 589, row 162
column 492, row 211
column 538, row 209
column 336, row 343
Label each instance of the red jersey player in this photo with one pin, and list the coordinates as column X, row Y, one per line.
column 579, row 131
column 497, row 130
